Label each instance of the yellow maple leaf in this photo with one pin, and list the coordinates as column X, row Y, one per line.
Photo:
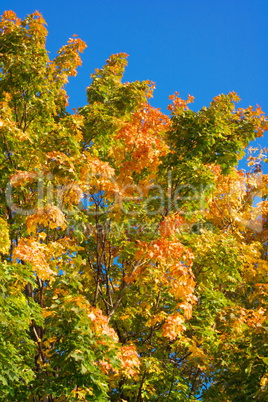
column 4, row 239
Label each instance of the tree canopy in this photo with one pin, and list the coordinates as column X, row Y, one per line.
column 133, row 251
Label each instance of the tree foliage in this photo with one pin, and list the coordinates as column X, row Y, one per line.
column 133, row 254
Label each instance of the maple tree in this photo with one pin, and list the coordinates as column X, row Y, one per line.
column 133, row 254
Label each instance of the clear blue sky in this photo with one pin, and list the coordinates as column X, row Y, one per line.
column 197, row 47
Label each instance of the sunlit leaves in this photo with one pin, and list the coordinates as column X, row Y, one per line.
column 29, row 250
column 133, row 252
column 4, row 240
column 51, row 216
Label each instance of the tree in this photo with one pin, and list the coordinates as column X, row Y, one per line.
column 133, row 254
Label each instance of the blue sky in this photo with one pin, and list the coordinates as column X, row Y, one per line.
column 197, row 47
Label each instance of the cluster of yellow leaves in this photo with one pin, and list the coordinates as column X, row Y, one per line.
column 35, row 21
column 97, row 175
column 167, row 264
column 253, row 265
column 9, row 19
column 21, row 178
column 61, row 160
column 241, row 318
column 115, row 65
column 8, row 128
column 197, row 355
column 4, row 238
column 264, row 381
column 255, row 116
column 75, row 123
column 230, row 203
column 68, row 59
column 70, row 195
column 50, row 216
column 255, row 318
column 232, row 96
column 37, row 28
column 29, row 250
column 67, row 187
column 79, row 394
column 77, row 43
column 263, row 206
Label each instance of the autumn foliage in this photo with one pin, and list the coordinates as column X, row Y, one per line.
column 133, row 251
